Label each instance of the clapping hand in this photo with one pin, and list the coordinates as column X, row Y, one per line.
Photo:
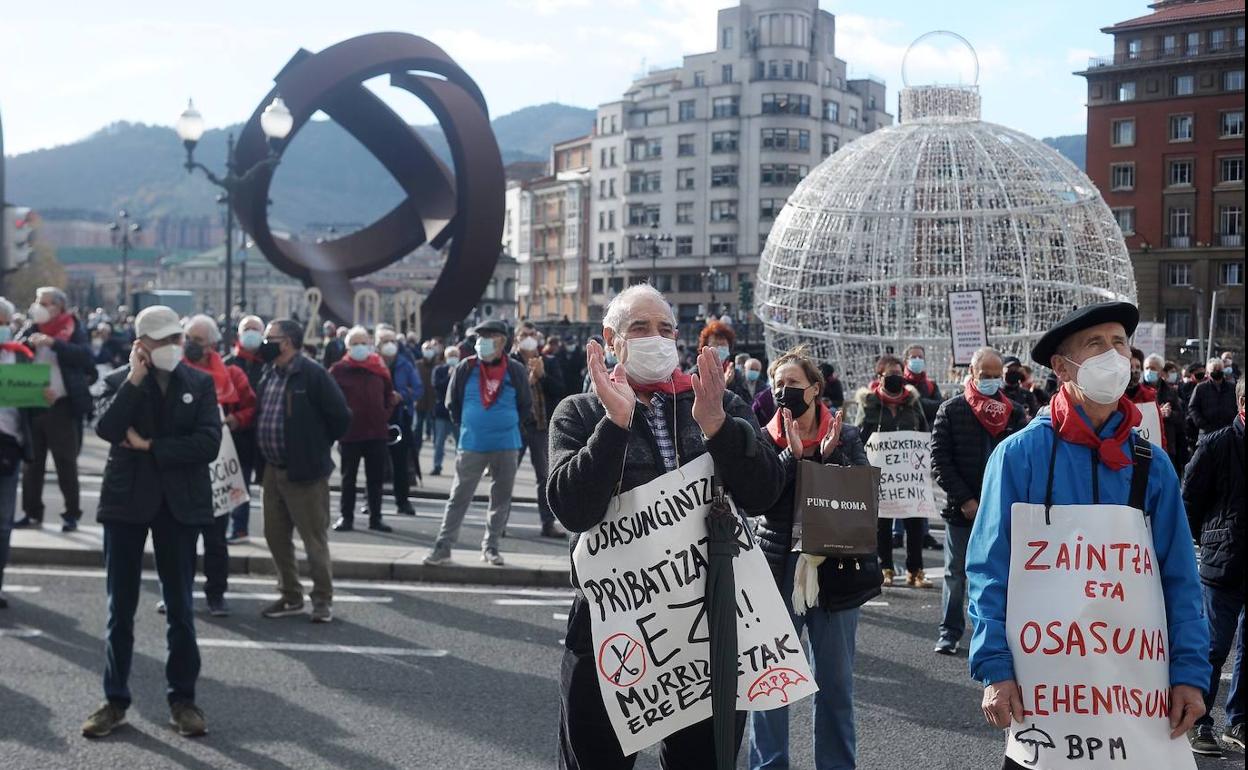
column 1165, row 410
column 792, row 433
column 708, row 393
column 833, row 439
column 617, row 397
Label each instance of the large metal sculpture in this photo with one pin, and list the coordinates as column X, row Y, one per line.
column 462, row 207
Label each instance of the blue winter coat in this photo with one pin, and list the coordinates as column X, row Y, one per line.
column 1017, row 472
column 408, row 383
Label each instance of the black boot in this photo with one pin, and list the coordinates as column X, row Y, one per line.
column 376, row 525
column 344, row 524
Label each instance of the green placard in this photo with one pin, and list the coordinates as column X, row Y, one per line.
column 23, row 384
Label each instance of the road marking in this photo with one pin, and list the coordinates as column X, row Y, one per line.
column 348, row 598
column 20, row 633
column 531, row 602
column 22, row 590
column 877, row 604
column 249, row 644
column 561, row 616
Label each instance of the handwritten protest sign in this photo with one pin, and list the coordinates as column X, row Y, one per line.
column 228, row 489
column 967, row 325
column 1150, row 424
column 22, row 385
column 643, row 570
column 1086, row 622
column 904, row 458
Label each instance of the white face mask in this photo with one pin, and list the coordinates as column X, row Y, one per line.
column 39, row 314
column 166, row 357
column 1103, row 378
column 389, row 349
column 528, row 344
column 649, row 359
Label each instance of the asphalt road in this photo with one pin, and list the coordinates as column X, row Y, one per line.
column 409, row 676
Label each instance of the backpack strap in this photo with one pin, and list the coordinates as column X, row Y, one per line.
column 1142, row 454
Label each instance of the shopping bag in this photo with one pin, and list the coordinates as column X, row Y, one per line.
column 835, row 509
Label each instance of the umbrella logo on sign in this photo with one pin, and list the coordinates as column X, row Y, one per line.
column 622, row 660
column 1035, row 738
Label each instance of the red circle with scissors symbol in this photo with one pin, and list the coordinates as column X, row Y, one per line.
column 622, row 660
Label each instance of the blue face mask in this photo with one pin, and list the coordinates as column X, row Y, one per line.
column 988, row 387
column 722, row 352
column 359, row 352
column 6, row 333
column 1151, row 376
column 485, row 348
column 251, row 339
column 915, row 365
column 752, row 375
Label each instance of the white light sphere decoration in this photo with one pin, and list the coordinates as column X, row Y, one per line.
column 864, row 253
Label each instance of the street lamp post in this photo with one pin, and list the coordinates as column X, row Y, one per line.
column 651, row 244
column 121, row 230
column 276, row 122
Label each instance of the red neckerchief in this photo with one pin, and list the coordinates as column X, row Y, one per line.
column 372, row 364
column 246, row 355
column 775, row 429
column 61, row 327
column 920, row 382
column 877, row 387
column 1071, row 426
column 992, row 412
column 212, row 364
column 17, row 349
column 1144, row 394
column 490, row 380
column 679, row 383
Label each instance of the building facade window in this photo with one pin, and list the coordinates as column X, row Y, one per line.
column 724, row 211
column 1232, row 124
column 684, row 213
column 1182, row 128
column 1122, row 176
column 786, row 104
column 1126, row 91
column 1217, row 39
column 785, row 139
column 684, row 245
column 723, row 176
column 1178, row 274
column 768, row 208
column 831, row 143
column 1229, row 321
column 831, row 110
column 725, row 73
column 1182, row 85
column 1231, row 226
column 699, row 79
column 1233, row 80
column 853, row 117
column 1231, row 273
column 786, row 174
column 724, row 107
column 725, row 38
column 1135, row 47
column 1126, row 220
column 1122, row 132
column 684, row 145
column 1180, row 221
column 1231, row 170
column 724, row 141
column 645, row 149
column 689, row 282
column 645, row 182
column 723, row 244
column 1170, row 45
column 1179, row 322
column 1180, row 173
column 1192, row 44
column 684, row 179
column 687, row 110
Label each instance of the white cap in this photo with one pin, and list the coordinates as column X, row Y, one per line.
column 157, row 322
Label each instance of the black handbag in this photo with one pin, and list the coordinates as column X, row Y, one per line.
column 835, row 509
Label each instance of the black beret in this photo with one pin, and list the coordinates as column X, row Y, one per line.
column 1011, row 360
column 1084, row 318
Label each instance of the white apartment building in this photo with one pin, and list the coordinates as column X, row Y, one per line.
column 701, row 157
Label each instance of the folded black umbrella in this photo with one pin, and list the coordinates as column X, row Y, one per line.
column 721, row 613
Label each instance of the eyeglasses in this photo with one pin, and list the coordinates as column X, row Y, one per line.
column 275, row 339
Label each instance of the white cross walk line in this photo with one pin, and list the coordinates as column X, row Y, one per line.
column 22, row 589
column 349, row 649
column 877, row 604
column 561, row 616
column 20, row 633
column 559, row 602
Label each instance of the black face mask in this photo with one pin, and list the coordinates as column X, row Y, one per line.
column 1013, row 378
column 193, row 350
column 269, row 351
column 1216, row 375
column 894, row 383
column 793, row 399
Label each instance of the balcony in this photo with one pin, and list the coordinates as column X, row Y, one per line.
column 1228, row 48
column 1179, row 241
column 1231, row 239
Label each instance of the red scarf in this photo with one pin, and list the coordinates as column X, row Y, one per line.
column 61, row 327
column 992, row 413
column 212, row 364
column 490, row 380
column 775, row 429
column 1144, row 394
column 17, row 349
column 920, row 382
column 679, row 383
column 373, row 364
column 246, row 355
column 1072, row 427
column 877, row 387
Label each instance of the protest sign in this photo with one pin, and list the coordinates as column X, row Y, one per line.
column 1087, row 630
column 228, row 489
column 643, row 571
column 22, row 385
column 967, row 325
column 1150, row 337
column 1150, row 424
column 904, row 458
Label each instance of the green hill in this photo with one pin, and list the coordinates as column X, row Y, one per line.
column 1074, row 147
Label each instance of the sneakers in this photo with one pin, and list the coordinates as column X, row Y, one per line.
column 406, row 509
column 322, row 612
column 344, row 525
column 437, row 558
column 187, row 719
column 918, row 580
column 283, row 609
column 378, row 526
column 1234, row 736
column 160, row 607
column 28, row 522
column 932, row 544
column 1201, row 739
column 552, row 530
column 435, row 472
column 70, row 523
column 104, row 720
column 238, row 537
column 217, row 607
column 946, row 647
column 492, row 556
column 888, row 577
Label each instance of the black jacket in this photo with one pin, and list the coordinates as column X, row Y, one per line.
column 552, row 385
column 316, row 415
column 843, row 583
column 1019, row 395
column 590, row 455
column 1175, row 426
column 76, row 362
column 1213, row 405
column 1213, row 491
column 960, row 451
column 518, row 374
column 873, row 415
column 184, row 426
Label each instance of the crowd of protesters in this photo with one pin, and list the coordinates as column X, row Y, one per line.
column 161, row 390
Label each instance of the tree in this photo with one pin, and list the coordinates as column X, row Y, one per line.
column 43, row 269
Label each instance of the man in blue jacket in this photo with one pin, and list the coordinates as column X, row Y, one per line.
column 410, row 387
column 1075, row 480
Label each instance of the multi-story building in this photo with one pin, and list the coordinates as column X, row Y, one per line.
column 552, row 236
column 1166, row 148
column 692, row 165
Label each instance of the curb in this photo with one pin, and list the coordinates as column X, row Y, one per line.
column 344, row 569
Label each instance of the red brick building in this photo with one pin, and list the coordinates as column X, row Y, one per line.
column 1166, row 149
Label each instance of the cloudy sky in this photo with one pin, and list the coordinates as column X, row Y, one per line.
column 70, row 67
